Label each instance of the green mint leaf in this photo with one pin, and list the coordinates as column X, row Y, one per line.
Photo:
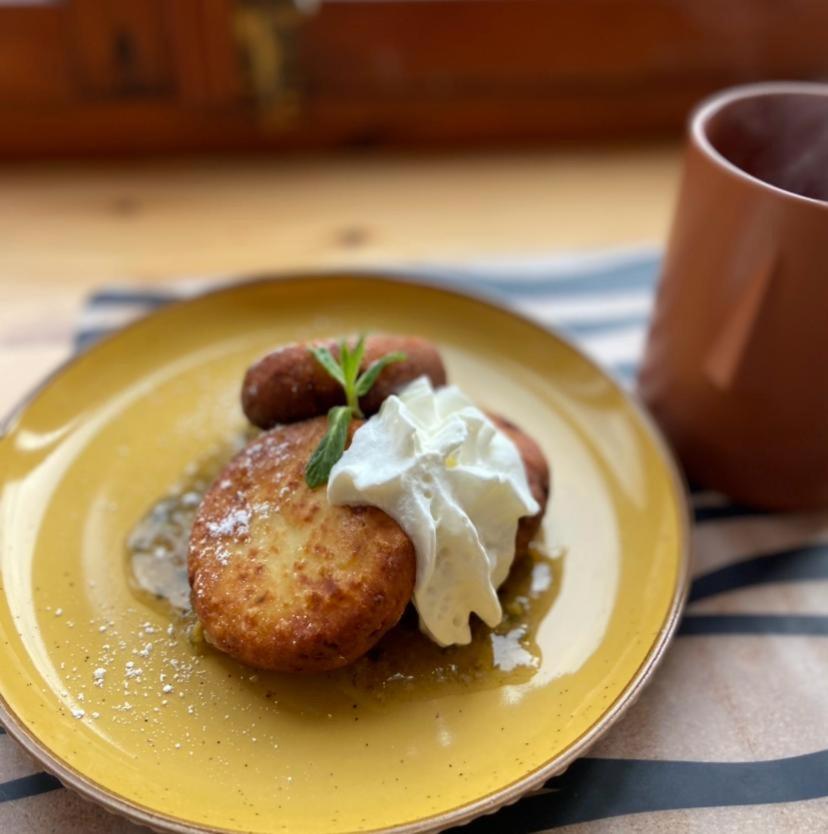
column 344, row 359
column 346, row 370
column 330, row 448
column 367, row 380
column 325, row 358
column 356, row 359
column 350, row 359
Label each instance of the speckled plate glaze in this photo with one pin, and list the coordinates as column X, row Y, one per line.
column 109, row 694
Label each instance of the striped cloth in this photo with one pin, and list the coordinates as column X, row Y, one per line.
column 732, row 734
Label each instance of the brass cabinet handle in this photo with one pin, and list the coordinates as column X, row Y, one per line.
column 266, row 34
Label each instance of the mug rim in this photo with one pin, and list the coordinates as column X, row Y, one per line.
column 714, row 104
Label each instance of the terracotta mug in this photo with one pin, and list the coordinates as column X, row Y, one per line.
column 736, row 364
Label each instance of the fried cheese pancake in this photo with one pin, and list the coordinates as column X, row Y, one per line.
column 281, row 579
column 289, row 384
column 537, row 473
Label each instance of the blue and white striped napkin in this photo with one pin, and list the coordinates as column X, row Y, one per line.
column 602, row 300
column 732, row 734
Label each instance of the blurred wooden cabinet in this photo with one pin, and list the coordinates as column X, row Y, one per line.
column 87, row 76
column 137, row 76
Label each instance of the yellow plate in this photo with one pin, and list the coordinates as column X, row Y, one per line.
column 114, row 429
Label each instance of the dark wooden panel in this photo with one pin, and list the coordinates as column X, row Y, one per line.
column 399, row 72
column 200, row 33
column 119, row 47
column 473, row 46
column 481, row 71
column 34, row 69
column 224, row 75
column 132, row 127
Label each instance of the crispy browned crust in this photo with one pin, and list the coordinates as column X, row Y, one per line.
column 290, row 385
column 301, row 586
column 537, row 473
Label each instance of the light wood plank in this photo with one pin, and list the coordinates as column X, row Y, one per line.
column 69, row 228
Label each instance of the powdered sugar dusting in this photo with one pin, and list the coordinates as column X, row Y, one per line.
column 235, row 523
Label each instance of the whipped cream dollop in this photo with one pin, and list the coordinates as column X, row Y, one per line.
column 456, row 485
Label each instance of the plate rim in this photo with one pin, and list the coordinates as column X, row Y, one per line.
column 88, row 788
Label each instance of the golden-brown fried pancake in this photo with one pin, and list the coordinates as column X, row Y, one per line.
column 537, row 473
column 290, row 384
column 283, row 580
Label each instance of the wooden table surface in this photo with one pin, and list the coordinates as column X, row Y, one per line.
column 67, row 228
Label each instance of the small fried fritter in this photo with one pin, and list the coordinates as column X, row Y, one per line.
column 290, row 385
column 537, row 473
column 281, row 579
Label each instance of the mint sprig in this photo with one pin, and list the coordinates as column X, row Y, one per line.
column 331, row 447
column 345, row 371
column 367, row 380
